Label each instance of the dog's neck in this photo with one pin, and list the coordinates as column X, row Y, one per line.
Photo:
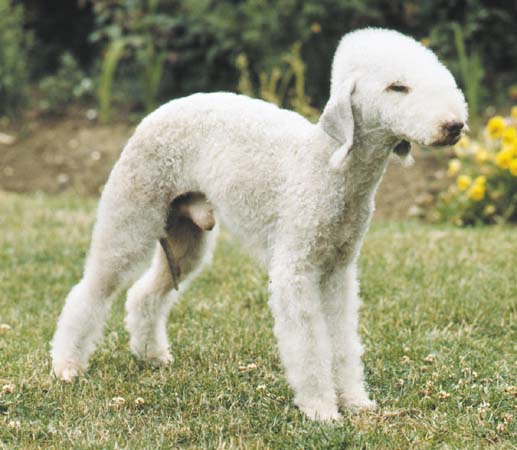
column 353, row 188
column 366, row 163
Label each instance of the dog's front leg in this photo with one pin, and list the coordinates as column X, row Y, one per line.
column 341, row 304
column 302, row 337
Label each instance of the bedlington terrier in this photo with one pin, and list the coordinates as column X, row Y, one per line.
column 299, row 195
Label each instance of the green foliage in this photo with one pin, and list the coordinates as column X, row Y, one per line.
column 488, row 30
column 13, row 58
column 471, row 71
column 195, row 43
column 299, row 100
column 109, row 65
column 152, row 73
column 67, row 85
column 245, row 85
column 131, row 30
column 438, row 324
column 284, row 86
column 174, row 48
column 58, row 27
column 177, row 47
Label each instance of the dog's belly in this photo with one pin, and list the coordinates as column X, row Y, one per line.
column 253, row 239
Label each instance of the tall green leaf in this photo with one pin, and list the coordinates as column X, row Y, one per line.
column 110, row 62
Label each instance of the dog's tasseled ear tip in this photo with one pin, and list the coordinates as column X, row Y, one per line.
column 405, row 161
column 408, row 160
column 338, row 158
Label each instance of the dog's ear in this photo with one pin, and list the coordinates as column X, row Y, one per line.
column 337, row 121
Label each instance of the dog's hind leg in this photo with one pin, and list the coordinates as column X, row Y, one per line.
column 131, row 218
column 149, row 300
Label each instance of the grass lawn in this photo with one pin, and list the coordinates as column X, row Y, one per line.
column 439, row 324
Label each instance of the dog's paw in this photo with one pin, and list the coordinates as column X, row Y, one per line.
column 67, row 371
column 160, row 360
column 154, row 358
column 357, row 402
column 321, row 412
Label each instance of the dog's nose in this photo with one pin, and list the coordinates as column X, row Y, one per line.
column 453, row 129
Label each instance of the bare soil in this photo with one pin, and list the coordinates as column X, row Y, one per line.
column 75, row 154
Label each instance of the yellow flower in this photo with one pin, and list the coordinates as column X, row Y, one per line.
column 513, row 167
column 463, row 182
column 509, row 135
column 454, row 167
column 425, row 41
column 477, row 192
column 513, row 113
column 495, row 127
column 504, row 157
column 480, row 180
column 481, row 155
column 513, row 147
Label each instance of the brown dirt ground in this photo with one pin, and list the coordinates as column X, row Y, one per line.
column 76, row 155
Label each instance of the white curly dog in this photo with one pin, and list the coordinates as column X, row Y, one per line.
column 300, row 195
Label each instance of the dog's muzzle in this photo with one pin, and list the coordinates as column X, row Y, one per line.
column 451, row 133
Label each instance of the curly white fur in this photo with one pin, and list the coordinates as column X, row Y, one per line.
column 300, row 195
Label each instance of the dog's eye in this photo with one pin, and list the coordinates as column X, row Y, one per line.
column 397, row 87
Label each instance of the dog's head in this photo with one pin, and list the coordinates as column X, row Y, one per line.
column 388, row 82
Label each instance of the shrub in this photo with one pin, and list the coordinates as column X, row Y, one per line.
column 483, row 176
column 68, row 84
column 194, row 43
column 13, row 58
column 133, row 32
column 284, row 85
column 58, row 27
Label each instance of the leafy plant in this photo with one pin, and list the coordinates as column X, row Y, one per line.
column 13, row 58
column 130, row 29
column 245, row 85
column 68, row 84
column 299, row 100
column 284, row 85
column 109, row 65
column 195, row 43
column 153, row 61
column 471, row 71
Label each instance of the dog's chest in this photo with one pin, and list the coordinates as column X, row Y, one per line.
column 341, row 233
